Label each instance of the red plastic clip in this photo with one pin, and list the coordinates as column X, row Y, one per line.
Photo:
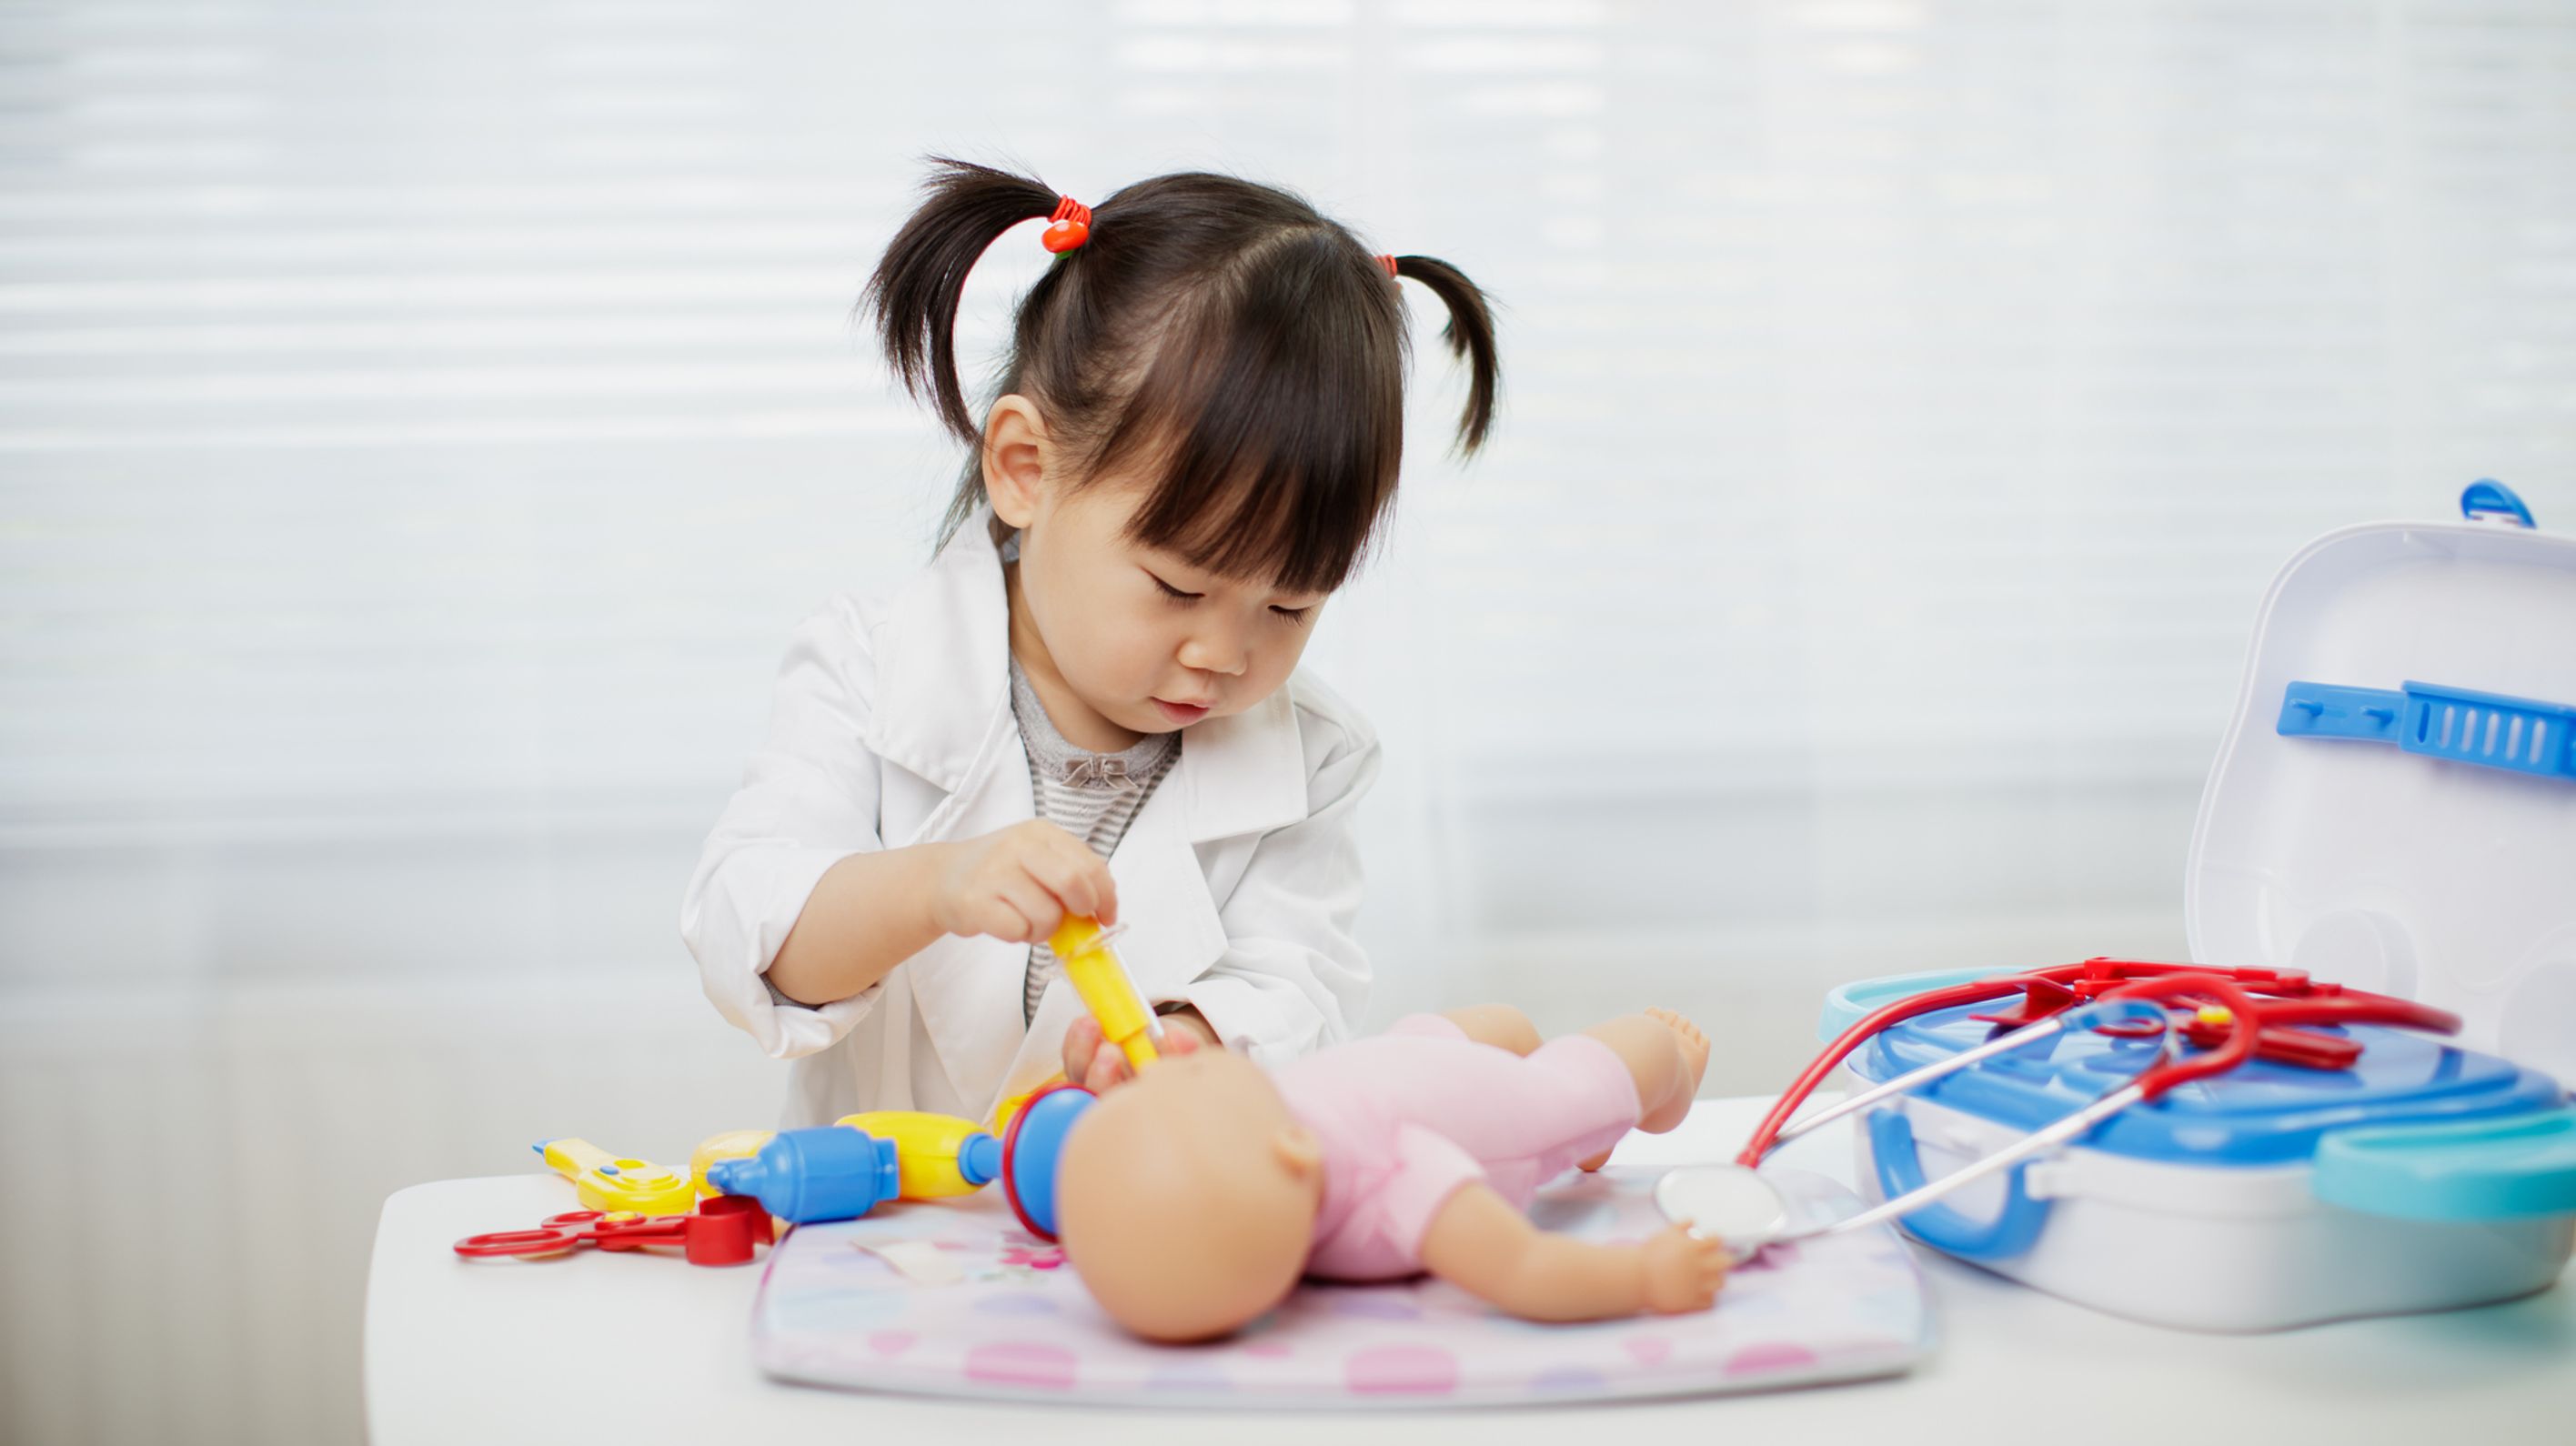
column 722, row 1232
column 2040, row 998
column 1069, row 227
column 2304, row 1048
column 1388, row 262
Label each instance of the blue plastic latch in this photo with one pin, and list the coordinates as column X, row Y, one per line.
column 2487, row 497
column 2491, row 730
column 2322, row 710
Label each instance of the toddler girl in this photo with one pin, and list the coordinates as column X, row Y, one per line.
column 1089, row 702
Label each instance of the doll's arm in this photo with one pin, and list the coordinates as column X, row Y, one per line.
column 1480, row 1244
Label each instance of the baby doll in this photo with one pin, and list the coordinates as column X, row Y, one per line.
column 1192, row 1200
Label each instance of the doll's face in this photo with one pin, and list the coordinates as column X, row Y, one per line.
column 1145, row 640
column 1186, row 1200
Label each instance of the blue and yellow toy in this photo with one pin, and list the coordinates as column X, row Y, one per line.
column 845, row 1169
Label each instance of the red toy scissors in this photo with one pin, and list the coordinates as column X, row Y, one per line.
column 723, row 1232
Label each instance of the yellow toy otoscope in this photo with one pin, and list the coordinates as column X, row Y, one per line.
column 1082, row 947
column 602, row 1181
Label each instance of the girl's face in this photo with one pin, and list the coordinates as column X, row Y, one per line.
column 1142, row 640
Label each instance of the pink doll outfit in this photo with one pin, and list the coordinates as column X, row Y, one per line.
column 1407, row 1117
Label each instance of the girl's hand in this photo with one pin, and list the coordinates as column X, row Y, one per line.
column 1683, row 1271
column 1018, row 884
column 1096, row 1064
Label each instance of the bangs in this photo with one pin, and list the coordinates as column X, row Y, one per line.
column 1270, row 415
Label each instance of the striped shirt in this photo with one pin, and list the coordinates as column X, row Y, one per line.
column 1092, row 796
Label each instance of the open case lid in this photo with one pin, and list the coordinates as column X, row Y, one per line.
column 2343, row 833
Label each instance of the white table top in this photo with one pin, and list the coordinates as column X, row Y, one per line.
column 598, row 1347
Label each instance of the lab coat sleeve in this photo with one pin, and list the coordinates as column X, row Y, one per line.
column 808, row 800
column 1293, row 978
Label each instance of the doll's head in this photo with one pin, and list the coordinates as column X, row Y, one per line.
column 1196, row 432
column 1186, row 1200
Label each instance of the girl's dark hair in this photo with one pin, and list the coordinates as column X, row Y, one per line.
column 1221, row 336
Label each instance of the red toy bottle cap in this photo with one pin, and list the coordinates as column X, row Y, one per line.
column 725, row 1230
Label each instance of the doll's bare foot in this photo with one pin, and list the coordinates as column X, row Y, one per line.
column 1694, row 1049
column 1668, row 1055
column 1668, row 1111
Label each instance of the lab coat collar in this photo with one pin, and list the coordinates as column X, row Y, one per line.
column 943, row 675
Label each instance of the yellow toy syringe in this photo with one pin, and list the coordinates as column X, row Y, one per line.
column 1082, row 947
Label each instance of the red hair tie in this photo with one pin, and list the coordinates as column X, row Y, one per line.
column 1071, row 226
column 1389, row 263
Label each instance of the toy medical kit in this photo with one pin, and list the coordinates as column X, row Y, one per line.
column 724, row 1231
column 2331, row 1160
column 607, row 1182
column 2239, row 1018
column 2345, row 1166
column 1842, row 1308
column 1096, row 973
column 841, row 1171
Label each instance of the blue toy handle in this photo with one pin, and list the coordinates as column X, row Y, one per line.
column 2492, row 730
column 1900, row 1171
column 2509, row 1168
column 2487, row 497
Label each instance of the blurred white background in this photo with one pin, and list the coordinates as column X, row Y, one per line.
column 421, row 425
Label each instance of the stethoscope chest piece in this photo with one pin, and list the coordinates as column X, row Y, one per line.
column 1724, row 1202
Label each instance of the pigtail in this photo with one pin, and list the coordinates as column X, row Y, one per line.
column 919, row 282
column 1470, row 334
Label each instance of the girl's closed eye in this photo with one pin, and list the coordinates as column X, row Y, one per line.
column 1173, row 593
column 1291, row 616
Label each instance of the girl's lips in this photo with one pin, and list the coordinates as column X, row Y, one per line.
column 1182, row 714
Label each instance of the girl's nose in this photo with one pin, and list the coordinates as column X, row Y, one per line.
column 1215, row 653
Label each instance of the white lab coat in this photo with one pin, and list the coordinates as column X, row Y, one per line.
column 1238, row 881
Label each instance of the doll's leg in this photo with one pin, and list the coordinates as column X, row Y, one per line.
column 1499, row 1025
column 1666, row 1054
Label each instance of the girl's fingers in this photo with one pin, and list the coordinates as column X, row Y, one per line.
column 1002, row 919
column 1105, row 894
column 1065, row 879
column 1180, row 1039
column 1108, row 1068
column 1081, row 1042
column 1087, row 874
column 1035, row 904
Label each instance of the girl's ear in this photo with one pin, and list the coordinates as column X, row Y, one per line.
column 1016, row 452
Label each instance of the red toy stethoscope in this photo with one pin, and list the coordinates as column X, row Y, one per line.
column 2236, row 1015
